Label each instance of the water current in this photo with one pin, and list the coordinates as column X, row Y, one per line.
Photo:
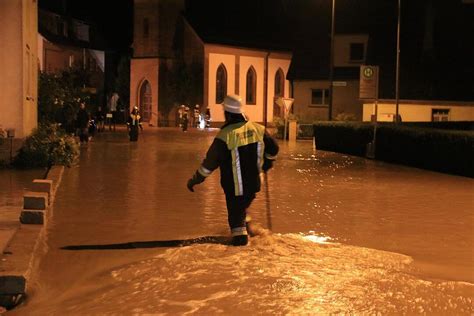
column 349, row 236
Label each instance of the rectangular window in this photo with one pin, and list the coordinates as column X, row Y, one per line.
column 146, row 27
column 440, row 115
column 319, row 97
column 357, row 52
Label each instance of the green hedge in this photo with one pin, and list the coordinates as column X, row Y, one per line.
column 344, row 137
column 427, row 148
column 458, row 125
column 448, row 151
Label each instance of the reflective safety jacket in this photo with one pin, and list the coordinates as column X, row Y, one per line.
column 239, row 149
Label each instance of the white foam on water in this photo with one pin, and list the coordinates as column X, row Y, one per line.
column 275, row 274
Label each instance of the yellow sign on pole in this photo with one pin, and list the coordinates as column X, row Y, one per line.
column 369, row 82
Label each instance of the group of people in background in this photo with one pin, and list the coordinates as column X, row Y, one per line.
column 194, row 118
column 87, row 123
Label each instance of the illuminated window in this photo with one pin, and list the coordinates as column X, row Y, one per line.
column 440, row 115
column 279, row 83
column 221, row 83
column 357, row 52
column 251, row 90
column 319, row 97
column 146, row 27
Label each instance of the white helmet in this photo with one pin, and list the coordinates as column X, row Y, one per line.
column 233, row 104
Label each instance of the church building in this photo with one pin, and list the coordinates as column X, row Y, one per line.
column 177, row 61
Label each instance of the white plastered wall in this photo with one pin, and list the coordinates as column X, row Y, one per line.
column 217, row 114
column 253, row 111
column 414, row 112
column 273, row 65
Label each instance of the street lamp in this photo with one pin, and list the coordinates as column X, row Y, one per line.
column 331, row 61
column 397, row 73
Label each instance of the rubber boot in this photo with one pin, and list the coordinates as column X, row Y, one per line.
column 240, row 240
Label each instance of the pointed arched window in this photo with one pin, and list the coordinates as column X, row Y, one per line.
column 279, row 83
column 221, row 83
column 251, row 87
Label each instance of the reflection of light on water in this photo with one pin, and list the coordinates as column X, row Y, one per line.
column 318, row 239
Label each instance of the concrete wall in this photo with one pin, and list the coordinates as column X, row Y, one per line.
column 19, row 66
column 237, row 62
column 142, row 69
column 419, row 111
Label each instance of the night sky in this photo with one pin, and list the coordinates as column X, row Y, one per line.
column 444, row 72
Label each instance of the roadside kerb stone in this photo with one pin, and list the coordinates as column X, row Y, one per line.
column 21, row 254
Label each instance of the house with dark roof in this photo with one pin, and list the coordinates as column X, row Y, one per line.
column 309, row 76
column 66, row 43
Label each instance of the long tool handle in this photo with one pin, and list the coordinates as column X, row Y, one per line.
column 267, row 202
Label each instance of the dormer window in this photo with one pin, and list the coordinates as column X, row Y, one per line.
column 357, row 52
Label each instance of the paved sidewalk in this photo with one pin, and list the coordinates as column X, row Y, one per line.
column 12, row 184
column 19, row 241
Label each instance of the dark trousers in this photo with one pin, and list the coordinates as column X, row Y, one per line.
column 83, row 135
column 133, row 133
column 237, row 210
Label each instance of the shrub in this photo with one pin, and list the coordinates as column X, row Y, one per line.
column 448, row 151
column 47, row 146
column 344, row 137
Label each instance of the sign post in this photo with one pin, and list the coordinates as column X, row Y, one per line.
column 369, row 90
column 286, row 104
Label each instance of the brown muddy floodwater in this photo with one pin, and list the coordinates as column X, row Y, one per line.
column 350, row 236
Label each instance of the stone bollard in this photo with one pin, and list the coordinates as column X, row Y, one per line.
column 43, row 185
column 35, row 200
column 292, row 131
column 34, row 206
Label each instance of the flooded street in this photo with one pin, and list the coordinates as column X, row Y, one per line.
column 350, row 235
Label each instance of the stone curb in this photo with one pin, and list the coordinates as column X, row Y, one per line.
column 20, row 256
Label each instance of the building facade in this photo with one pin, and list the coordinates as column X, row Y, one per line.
column 69, row 44
column 19, row 66
column 311, row 87
column 419, row 111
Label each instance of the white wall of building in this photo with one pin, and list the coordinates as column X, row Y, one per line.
column 273, row 65
column 244, row 59
column 253, row 111
column 419, row 111
column 217, row 114
column 18, row 66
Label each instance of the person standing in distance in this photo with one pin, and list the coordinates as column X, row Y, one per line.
column 242, row 150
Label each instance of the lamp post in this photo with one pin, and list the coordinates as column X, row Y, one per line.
column 397, row 72
column 331, row 61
